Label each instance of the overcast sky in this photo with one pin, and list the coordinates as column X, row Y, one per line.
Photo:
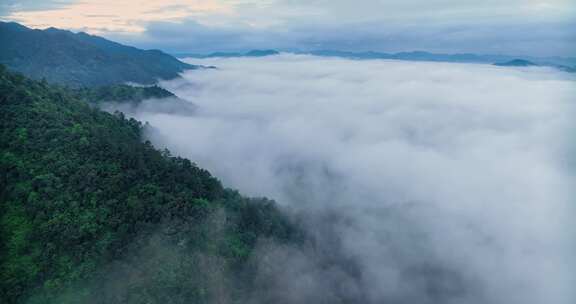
column 519, row 27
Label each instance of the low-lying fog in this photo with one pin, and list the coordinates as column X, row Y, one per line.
column 421, row 182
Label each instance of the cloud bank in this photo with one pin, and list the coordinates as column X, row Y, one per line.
column 419, row 182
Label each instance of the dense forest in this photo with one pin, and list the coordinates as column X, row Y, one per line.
column 121, row 93
column 90, row 212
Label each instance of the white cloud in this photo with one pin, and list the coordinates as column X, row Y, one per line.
column 440, row 183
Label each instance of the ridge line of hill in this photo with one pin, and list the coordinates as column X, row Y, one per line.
column 81, row 59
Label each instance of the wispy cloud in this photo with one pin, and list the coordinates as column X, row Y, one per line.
column 131, row 16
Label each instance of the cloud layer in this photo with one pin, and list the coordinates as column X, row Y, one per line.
column 421, row 182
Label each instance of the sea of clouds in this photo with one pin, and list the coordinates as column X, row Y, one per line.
column 420, row 182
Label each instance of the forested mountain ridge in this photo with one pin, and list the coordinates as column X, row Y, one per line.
column 91, row 213
column 80, row 59
column 121, row 93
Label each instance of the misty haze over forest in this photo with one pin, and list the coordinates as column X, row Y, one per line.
column 425, row 182
column 287, row 152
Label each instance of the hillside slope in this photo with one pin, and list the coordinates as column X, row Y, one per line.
column 91, row 213
column 79, row 59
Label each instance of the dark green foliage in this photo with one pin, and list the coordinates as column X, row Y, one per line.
column 80, row 59
column 91, row 214
column 121, row 93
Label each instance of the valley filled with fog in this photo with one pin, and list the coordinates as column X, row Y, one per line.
column 420, row 182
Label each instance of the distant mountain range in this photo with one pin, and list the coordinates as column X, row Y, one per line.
column 252, row 53
column 527, row 63
column 517, row 62
column 80, row 59
column 562, row 63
